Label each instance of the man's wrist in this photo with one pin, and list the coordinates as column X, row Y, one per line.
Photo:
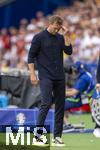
column 67, row 41
column 68, row 44
column 32, row 73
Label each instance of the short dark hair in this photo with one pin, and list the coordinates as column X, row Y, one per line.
column 55, row 19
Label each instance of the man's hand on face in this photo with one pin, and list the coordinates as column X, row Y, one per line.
column 66, row 35
column 64, row 30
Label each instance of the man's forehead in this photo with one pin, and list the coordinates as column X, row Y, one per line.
column 57, row 24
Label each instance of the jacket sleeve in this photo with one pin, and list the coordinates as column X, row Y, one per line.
column 98, row 71
column 67, row 49
column 34, row 49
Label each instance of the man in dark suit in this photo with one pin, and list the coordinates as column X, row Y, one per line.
column 47, row 48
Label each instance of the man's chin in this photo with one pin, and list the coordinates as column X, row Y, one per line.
column 54, row 33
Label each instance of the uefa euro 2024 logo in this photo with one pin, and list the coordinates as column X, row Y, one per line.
column 20, row 118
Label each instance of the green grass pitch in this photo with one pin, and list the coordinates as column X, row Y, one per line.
column 82, row 141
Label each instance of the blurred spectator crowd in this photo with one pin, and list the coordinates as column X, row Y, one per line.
column 83, row 21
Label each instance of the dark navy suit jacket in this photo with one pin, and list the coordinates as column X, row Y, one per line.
column 48, row 49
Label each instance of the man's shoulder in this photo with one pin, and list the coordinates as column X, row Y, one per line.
column 87, row 77
column 83, row 77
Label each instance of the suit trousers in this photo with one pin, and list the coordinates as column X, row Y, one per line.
column 52, row 91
